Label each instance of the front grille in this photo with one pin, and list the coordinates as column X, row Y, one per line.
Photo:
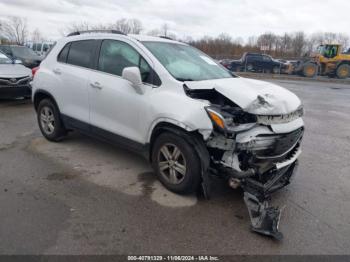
column 19, row 81
column 276, row 146
column 280, row 119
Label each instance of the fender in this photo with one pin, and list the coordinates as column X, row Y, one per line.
column 40, row 93
column 171, row 121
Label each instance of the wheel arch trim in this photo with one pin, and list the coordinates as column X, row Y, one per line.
column 44, row 93
column 166, row 121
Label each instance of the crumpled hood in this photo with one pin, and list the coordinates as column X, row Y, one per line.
column 14, row 70
column 253, row 96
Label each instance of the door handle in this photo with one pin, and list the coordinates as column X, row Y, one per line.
column 57, row 71
column 96, row 85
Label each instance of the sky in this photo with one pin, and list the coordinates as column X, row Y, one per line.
column 195, row 18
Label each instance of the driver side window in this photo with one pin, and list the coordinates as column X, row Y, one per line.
column 117, row 55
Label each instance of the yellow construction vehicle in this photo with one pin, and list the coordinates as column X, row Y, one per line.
column 327, row 61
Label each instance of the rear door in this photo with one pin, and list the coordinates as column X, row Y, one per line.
column 73, row 70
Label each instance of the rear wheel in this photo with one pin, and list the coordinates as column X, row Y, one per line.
column 49, row 121
column 310, row 70
column 343, row 71
column 176, row 163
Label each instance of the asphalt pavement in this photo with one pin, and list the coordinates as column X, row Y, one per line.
column 83, row 196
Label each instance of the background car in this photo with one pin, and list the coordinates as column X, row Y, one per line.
column 28, row 57
column 255, row 62
column 226, row 62
column 14, row 78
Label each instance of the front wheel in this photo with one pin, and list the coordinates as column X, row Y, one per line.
column 176, row 163
column 310, row 70
column 49, row 121
column 276, row 70
column 343, row 71
column 249, row 67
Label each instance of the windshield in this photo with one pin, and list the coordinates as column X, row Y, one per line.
column 4, row 59
column 186, row 63
column 22, row 51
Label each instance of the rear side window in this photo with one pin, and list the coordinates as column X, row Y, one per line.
column 62, row 57
column 81, row 53
column 254, row 58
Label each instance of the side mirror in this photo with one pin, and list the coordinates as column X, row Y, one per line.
column 133, row 75
column 17, row 61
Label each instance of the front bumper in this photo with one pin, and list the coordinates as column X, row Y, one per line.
column 261, row 161
column 15, row 91
column 260, row 155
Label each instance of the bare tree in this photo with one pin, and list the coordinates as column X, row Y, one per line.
column 75, row 27
column 154, row 32
column 299, row 42
column 267, row 42
column 37, row 36
column 127, row 26
column 165, row 29
column 14, row 29
column 252, row 41
column 343, row 39
column 135, row 26
column 122, row 25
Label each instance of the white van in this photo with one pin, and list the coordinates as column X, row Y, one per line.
column 41, row 48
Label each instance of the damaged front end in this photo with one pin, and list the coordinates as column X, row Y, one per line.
column 255, row 152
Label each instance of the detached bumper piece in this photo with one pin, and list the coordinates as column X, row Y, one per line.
column 265, row 219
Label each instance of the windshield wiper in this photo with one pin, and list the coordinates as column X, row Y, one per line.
column 184, row 79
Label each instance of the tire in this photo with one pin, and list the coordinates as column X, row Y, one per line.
column 249, row 67
column 343, row 71
column 276, row 70
column 49, row 121
column 186, row 166
column 309, row 70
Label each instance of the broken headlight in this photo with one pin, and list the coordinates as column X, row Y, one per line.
column 230, row 119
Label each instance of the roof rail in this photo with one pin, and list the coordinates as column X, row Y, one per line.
column 165, row 37
column 96, row 31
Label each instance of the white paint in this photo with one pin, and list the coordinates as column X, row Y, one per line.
column 244, row 92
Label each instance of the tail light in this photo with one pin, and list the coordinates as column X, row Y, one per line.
column 34, row 70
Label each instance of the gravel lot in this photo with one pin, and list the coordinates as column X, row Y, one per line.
column 82, row 196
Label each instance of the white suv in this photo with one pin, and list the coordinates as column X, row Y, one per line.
column 167, row 100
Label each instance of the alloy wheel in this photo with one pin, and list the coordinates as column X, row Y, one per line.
column 172, row 163
column 47, row 120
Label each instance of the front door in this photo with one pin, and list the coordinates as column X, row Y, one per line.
column 115, row 106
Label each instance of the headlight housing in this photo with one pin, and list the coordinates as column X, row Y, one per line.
column 230, row 121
